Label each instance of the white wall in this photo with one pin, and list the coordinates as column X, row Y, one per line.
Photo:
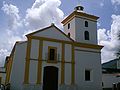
column 53, row 33
column 109, row 79
column 68, row 53
column 77, row 29
column 33, row 72
column 17, row 73
column 34, row 61
column 68, row 73
column 86, row 60
column 34, row 49
column 52, row 44
column 80, row 29
column 71, row 30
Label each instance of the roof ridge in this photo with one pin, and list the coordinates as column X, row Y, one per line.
column 52, row 25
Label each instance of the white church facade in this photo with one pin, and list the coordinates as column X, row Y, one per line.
column 51, row 59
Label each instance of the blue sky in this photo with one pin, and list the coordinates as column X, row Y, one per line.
column 18, row 17
column 102, row 8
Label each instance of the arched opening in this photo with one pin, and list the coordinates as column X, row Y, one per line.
column 50, row 78
column 69, row 34
column 86, row 23
column 68, row 25
column 86, row 35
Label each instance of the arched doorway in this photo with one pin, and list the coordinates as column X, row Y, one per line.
column 50, row 78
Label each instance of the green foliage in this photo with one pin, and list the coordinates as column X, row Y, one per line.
column 118, row 52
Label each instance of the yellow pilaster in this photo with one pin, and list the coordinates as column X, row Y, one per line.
column 0, row 80
column 8, row 69
column 39, row 73
column 27, row 63
column 63, row 64
column 73, row 66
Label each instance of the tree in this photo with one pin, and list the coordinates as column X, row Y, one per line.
column 118, row 51
column 118, row 54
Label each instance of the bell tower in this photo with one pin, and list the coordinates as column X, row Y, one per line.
column 80, row 26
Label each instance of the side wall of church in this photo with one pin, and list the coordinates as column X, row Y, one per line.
column 88, row 59
column 17, row 73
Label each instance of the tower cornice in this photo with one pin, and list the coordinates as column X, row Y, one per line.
column 81, row 15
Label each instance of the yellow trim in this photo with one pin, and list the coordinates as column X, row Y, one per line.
column 63, row 64
column 80, row 14
column 88, row 51
column 31, row 34
column 73, row 66
column 8, row 65
column 84, row 45
column 8, row 69
column 51, row 39
column 0, row 80
column 68, row 21
column 55, row 60
column 66, row 61
column 39, row 73
column 27, row 63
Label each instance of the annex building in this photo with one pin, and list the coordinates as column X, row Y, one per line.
column 52, row 59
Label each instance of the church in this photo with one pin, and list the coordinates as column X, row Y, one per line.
column 52, row 59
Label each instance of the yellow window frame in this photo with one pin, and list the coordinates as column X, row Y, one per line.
column 55, row 57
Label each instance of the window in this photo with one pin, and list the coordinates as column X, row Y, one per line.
column 86, row 35
column 68, row 25
column 86, row 23
column 69, row 34
column 102, row 84
column 52, row 53
column 87, row 75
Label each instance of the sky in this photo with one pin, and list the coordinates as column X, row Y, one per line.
column 19, row 17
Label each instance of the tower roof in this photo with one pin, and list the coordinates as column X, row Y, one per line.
column 78, row 12
column 79, row 8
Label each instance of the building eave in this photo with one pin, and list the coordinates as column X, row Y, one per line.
column 79, row 14
column 85, row 45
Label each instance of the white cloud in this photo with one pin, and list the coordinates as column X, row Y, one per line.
column 101, row 4
column 13, row 13
column 116, row 2
column 109, row 39
column 6, row 44
column 10, row 34
column 3, row 52
column 43, row 13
